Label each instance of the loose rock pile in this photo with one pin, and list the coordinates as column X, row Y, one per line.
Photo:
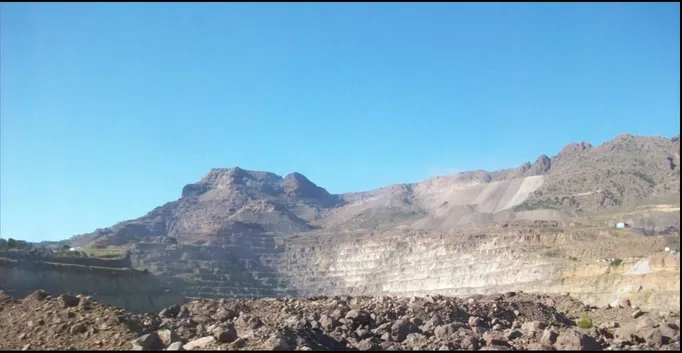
column 511, row 321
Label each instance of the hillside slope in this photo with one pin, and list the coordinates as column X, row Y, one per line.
column 545, row 226
column 580, row 180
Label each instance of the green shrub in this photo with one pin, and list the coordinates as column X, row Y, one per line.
column 536, row 205
column 644, row 177
column 585, row 322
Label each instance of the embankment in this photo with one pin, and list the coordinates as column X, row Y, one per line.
column 122, row 262
column 133, row 290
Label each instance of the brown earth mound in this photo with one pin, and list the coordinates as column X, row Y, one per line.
column 513, row 321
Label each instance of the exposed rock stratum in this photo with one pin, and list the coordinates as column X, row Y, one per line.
column 544, row 226
column 547, row 227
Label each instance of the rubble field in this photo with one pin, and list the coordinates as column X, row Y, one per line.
column 509, row 321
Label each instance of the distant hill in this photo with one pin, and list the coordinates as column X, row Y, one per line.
column 624, row 173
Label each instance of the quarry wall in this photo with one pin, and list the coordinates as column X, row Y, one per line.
column 130, row 289
column 419, row 264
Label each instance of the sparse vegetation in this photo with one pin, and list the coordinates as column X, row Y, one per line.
column 554, row 203
column 644, row 177
column 11, row 243
column 585, row 322
column 553, row 253
column 535, row 205
column 105, row 253
column 65, row 254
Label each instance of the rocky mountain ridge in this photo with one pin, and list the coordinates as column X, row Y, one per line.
column 547, row 226
column 579, row 179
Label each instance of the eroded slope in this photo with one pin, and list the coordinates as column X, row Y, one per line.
column 246, row 233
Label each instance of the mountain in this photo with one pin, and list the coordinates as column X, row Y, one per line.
column 581, row 179
column 546, row 226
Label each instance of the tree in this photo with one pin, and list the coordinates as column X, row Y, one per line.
column 23, row 244
column 66, row 247
column 11, row 243
column 3, row 243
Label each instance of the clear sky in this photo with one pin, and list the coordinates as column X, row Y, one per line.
column 109, row 109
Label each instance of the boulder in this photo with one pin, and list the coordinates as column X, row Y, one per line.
column 549, row 337
column 167, row 336
column 362, row 317
column 175, row 346
column 225, row 334
column 533, row 327
column 277, row 342
column 402, row 328
column 199, row 343
column 654, row 338
column 495, row 338
column 171, row 311
column 368, row 344
column 148, row 342
column 576, row 340
column 69, row 301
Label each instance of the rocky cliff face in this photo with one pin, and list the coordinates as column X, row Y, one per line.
column 406, row 263
column 126, row 288
column 541, row 226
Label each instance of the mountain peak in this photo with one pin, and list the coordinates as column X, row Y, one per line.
column 574, row 148
column 541, row 165
column 218, row 173
column 221, row 176
column 296, row 177
column 624, row 136
column 296, row 184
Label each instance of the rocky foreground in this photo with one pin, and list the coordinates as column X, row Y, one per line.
column 511, row 321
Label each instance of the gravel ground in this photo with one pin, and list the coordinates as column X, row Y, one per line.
column 510, row 321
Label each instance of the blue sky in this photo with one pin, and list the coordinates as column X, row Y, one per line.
column 109, row 109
